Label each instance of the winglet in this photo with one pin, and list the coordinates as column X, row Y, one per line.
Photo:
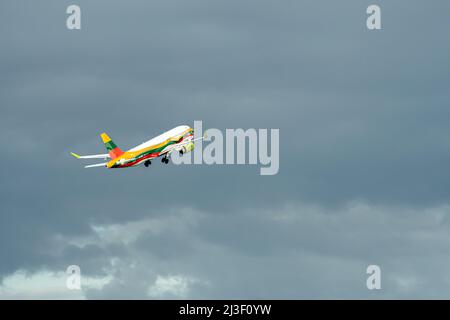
column 75, row 155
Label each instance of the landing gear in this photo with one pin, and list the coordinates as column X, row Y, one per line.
column 147, row 163
column 165, row 160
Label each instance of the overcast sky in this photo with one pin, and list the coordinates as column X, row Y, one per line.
column 364, row 149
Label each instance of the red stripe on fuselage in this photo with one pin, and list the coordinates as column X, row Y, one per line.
column 148, row 156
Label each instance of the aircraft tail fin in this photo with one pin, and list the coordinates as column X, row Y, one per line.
column 113, row 150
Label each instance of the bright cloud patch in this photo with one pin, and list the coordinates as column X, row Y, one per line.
column 176, row 286
column 45, row 285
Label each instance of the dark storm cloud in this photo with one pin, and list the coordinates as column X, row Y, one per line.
column 362, row 116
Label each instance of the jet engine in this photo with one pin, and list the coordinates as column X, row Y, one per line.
column 187, row 148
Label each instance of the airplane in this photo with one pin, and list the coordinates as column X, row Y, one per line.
column 179, row 139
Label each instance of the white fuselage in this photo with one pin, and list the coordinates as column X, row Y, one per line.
column 161, row 138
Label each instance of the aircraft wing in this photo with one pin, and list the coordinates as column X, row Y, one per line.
column 189, row 141
column 178, row 146
column 93, row 156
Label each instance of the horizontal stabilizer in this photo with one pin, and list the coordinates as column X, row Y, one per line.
column 96, row 165
column 93, row 156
